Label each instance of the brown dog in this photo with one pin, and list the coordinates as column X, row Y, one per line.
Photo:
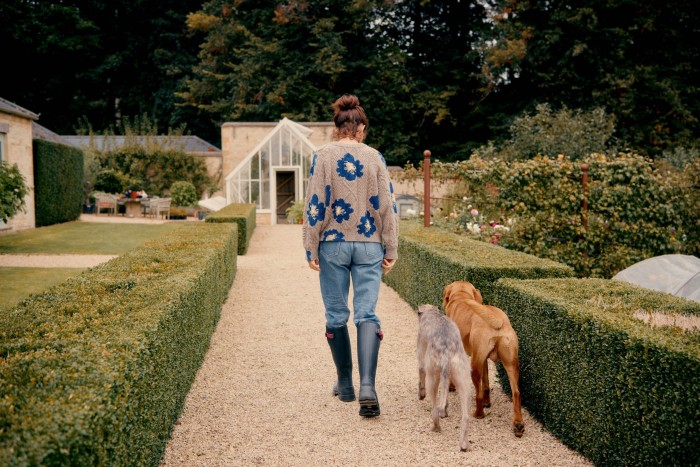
column 486, row 333
column 441, row 360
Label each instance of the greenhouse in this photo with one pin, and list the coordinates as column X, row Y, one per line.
column 275, row 173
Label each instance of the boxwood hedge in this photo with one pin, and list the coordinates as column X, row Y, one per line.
column 95, row 371
column 599, row 377
column 241, row 214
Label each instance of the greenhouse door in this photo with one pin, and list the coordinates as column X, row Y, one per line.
column 285, row 185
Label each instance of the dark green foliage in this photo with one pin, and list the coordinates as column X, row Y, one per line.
column 636, row 60
column 430, row 258
column 610, row 386
column 107, row 59
column 96, row 370
column 241, row 214
column 109, row 181
column 58, row 183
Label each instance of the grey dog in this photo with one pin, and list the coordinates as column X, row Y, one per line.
column 441, row 360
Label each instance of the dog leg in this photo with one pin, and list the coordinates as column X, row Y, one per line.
column 486, row 389
column 433, row 385
column 421, row 382
column 477, row 366
column 462, row 387
column 512, row 367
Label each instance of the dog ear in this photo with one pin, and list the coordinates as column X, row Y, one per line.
column 446, row 294
column 477, row 296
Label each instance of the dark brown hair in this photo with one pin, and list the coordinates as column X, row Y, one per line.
column 347, row 117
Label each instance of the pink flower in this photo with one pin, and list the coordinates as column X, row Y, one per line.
column 474, row 212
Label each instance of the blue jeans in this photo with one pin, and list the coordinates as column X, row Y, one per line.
column 339, row 261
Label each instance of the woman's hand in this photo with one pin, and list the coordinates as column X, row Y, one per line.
column 314, row 265
column 387, row 265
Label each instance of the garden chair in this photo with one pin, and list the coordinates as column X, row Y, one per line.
column 162, row 207
column 107, row 202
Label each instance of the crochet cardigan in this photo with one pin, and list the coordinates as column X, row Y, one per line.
column 350, row 198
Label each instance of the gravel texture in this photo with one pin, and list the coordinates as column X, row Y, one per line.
column 263, row 393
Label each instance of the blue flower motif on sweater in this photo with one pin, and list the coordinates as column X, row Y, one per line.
column 393, row 198
column 382, row 158
column 366, row 226
column 374, row 200
column 313, row 164
column 333, row 236
column 341, row 210
column 316, row 211
column 308, row 255
column 349, row 167
column 328, row 195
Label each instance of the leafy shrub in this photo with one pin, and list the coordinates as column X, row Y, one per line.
column 13, row 190
column 183, row 194
column 634, row 210
column 109, row 181
column 295, row 212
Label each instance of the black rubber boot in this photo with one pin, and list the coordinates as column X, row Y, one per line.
column 339, row 342
column 368, row 338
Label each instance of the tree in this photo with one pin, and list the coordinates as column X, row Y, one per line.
column 575, row 134
column 101, row 60
column 636, row 60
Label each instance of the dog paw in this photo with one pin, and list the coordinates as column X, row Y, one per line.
column 518, row 429
column 478, row 414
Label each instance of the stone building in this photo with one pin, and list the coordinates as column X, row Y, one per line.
column 16, row 134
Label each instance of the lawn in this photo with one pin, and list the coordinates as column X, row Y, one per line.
column 20, row 283
column 82, row 238
column 79, row 238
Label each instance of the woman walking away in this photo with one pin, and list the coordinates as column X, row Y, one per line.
column 351, row 232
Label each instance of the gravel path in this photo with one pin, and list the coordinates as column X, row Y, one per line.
column 263, row 393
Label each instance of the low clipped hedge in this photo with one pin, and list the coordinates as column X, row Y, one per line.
column 614, row 388
column 95, row 370
column 430, row 258
column 241, row 214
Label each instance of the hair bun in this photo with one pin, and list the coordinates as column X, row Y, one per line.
column 348, row 102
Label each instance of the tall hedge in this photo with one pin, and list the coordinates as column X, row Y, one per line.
column 58, row 183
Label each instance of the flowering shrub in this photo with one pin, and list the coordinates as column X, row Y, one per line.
column 634, row 211
column 13, row 190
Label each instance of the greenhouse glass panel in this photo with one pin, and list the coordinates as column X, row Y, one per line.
column 255, row 167
column 255, row 193
column 274, row 145
column 265, row 199
column 265, row 164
